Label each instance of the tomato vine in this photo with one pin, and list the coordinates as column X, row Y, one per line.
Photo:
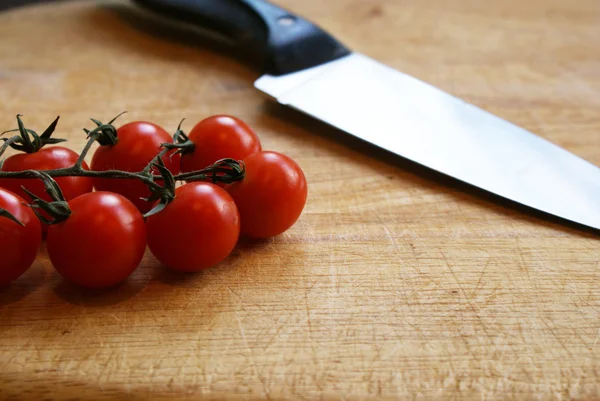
column 222, row 171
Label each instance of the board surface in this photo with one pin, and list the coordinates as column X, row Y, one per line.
column 393, row 284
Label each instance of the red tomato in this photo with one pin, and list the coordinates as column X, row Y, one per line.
column 50, row 158
column 197, row 230
column 101, row 243
column 18, row 244
column 219, row 137
column 271, row 196
column 138, row 143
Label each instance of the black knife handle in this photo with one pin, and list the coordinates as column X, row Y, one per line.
column 281, row 41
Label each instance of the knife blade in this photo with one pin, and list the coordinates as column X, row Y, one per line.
column 305, row 68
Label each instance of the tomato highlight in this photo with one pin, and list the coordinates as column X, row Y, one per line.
column 219, row 137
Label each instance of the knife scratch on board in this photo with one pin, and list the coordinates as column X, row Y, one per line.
column 476, row 311
column 250, row 355
column 398, row 252
column 474, row 293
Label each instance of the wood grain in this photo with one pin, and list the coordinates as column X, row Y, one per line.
column 394, row 284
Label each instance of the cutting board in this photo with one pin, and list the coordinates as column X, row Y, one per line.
column 395, row 283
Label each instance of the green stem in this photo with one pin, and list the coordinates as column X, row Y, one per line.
column 229, row 169
column 155, row 159
column 116, row 174
column 79, row 163
column 9, row 142
column 6, row 214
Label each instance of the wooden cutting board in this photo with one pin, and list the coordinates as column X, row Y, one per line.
column 394, row 283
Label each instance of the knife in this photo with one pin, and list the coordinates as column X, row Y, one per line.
column 307, row 69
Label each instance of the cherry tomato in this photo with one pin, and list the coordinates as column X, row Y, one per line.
column 101, row 243
column 138, row 143
column 197, row 230
column 219, row 137
column 49, row 158
column 272, row 195
column 18, row 244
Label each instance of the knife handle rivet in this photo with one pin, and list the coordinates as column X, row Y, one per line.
column 286, row 20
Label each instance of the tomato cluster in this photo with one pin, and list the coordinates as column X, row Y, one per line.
column 107, row 221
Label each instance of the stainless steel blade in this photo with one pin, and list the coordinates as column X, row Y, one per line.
column 422, row 123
